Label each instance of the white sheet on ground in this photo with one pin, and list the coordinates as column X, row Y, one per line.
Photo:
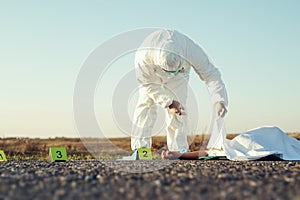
column 254, row 144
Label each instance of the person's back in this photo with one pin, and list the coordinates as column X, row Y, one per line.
column 164, row 48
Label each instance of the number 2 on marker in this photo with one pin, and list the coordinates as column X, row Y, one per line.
column 145, row 154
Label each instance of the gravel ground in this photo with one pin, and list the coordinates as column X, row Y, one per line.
column 193, row 179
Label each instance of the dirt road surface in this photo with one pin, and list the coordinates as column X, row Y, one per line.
column 194, row 179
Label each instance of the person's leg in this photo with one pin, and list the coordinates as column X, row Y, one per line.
column 173, row 155
column 176, row 132
column 143, row 121
column 177, row 128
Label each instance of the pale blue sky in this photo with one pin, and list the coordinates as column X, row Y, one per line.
column 43, row 45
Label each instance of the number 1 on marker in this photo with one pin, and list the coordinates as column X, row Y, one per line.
column 2, row 156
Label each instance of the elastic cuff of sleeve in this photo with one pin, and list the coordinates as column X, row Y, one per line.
column 167, row 103
column 220, row 100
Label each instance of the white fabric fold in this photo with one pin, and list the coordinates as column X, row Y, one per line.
column 253, row 144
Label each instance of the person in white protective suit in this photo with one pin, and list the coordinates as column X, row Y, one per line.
column 163, row 63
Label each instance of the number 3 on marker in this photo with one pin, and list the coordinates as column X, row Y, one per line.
column 58, row 154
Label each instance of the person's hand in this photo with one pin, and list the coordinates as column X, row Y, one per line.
column 177, row 108
column 170, row 155
column 220, row 108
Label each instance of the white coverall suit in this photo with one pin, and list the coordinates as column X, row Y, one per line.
column 162, row 51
